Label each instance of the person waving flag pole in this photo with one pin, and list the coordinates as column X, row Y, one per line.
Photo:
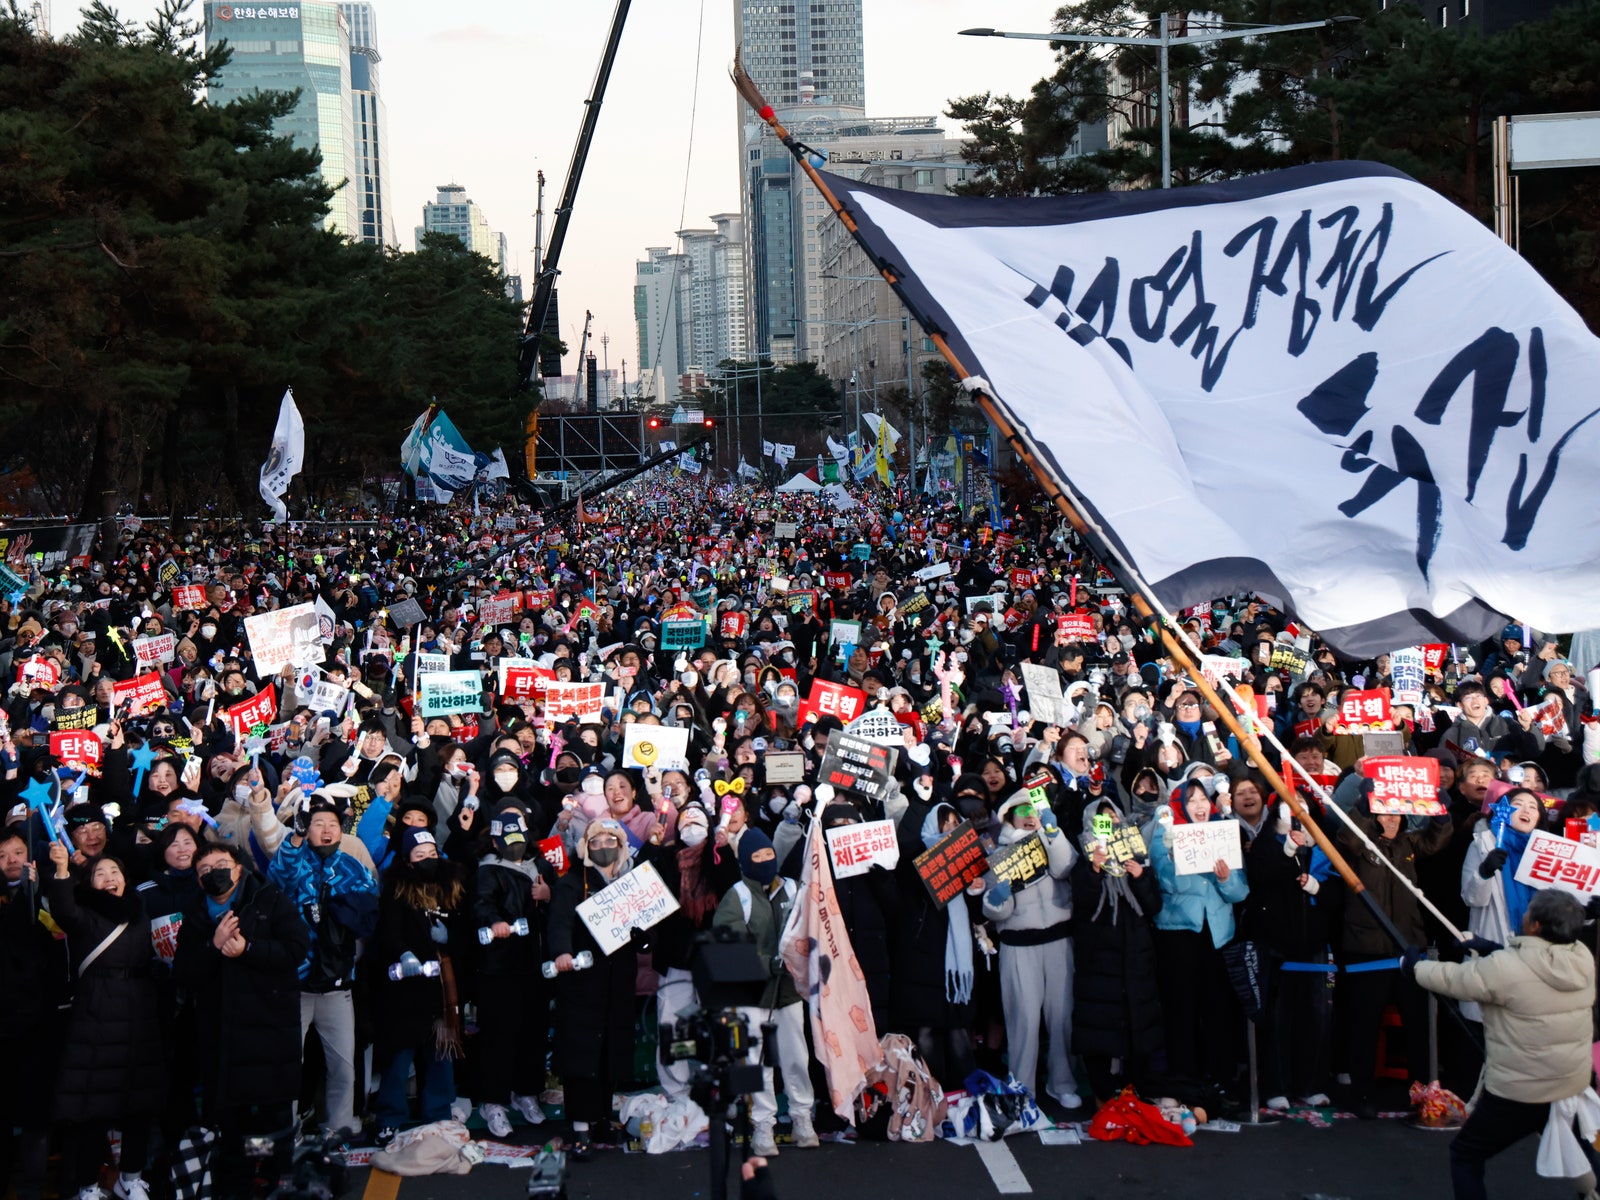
column 1415, row 558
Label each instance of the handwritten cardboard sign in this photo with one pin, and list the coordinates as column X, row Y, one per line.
column 1197, row 848
column 856, row 849
column 952, row 863
column 640, row 899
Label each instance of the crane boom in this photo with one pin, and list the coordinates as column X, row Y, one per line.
column 544, row 287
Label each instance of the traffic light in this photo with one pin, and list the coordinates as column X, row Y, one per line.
column 655, row 422
column 711, row 423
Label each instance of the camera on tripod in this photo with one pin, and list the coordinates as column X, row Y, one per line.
column 718, row 1038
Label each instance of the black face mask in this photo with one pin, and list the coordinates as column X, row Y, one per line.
column 515, row 852
column 216, row 882
column 604, row 856
column 327, row 851
column 567, row 775
column 427, row 870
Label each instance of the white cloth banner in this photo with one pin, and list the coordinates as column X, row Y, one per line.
column 285, row 458
column 1420, row 403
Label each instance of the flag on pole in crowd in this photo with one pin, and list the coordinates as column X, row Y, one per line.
column 817, row 950
column 882, row 429
column 841, row 454
column 498, row 468
column 285, row 458
column 880, row 456
column 767, row 449
column 746, row 471
column 411, row 448
column 1417, row 399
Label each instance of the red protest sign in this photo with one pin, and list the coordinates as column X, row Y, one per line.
column 1076, row 627
column 733, row 624
column 188, row 596
column 1433, row 655
column 78, row 747
column 534, row 600
column 142, row 694
column 258, row 710
column 1404, row 785
column 838, row 580
column 1365, row 710
column 1551, row 716
column 1004, row 541
column 1021, row 578
column 951, row 864
column 555, row 854
column 40, row 672
column 833, row 700
column 526, row 684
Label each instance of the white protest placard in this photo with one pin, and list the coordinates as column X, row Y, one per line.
column 284, row 637
column 152, row 650
column 1408, row 670
column 1217, row 667
column 995, row 601
column 655, row 746
column 856, row 849
column 427, row 664
column 1045, row 701
column 880, row 727
column 845, row 633
column 638, row 899
column 937, row 570
column 446, row 692
column 1549, row 861
column 786, row 530
column 579, row 701
column 1196, row 848
column 328, row 696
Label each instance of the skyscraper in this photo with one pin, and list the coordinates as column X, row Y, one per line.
column 659, row 285
column 453, row 213
column 371, row 118
column 807, row 58
column 305, row 46
column 807, row 52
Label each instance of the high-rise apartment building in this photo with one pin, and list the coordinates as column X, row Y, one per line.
column 660, row 284
column 304, row 46
column 452, row 212
column 803, row 55
column 371, row 177
column 711, row 291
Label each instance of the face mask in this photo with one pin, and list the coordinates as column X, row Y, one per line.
column 216, row 882
column 208, row 631
column 241, row 792
column 427, row 870
column 594, row 786
column 692, row 835
column 514, row 852
column 506, row 780
column 327, row 851
column 922, row 789
column 749, row 679
column 604, row 856
column 777, row 804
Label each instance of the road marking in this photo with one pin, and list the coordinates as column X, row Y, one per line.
column 381, row 1185
column 1003, row 1169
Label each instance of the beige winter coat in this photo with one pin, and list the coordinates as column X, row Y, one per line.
column 1537, row 1001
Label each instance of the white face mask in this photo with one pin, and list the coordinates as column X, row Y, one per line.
column 594, row 785
column 241, row 792
column 692, row 835
column 208, row 631
column 922, row 789
column 505, row 780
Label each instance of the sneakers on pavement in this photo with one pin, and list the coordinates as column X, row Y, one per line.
column 528, row 1106
column 1278, row 1104
column 1065, row 1099
column 1316, row 1100
column 762, row 1144
column 805, row 1134
column 496, row 1118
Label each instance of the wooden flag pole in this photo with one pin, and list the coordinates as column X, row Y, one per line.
column 1145, row 603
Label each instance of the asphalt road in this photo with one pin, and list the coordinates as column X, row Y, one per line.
column 1358, row 1160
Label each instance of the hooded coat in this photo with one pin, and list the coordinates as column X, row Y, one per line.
column 594, row 1008
column 1116, row 1008
column 917, row 944
column 112, row 1065
column 1537, row 999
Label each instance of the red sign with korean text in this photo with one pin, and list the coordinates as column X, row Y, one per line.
column 1404, row 785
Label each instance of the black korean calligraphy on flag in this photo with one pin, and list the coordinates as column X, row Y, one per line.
column 1327, row 384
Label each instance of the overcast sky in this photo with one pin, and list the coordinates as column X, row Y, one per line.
column 487, row 92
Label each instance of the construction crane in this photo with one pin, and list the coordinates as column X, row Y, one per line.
column 583, row 348
column 549, row 263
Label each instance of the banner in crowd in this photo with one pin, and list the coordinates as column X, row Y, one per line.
column 950, row 864
column 79, row 749
column 441, row 693
column 816, row 948
column 1020, row 863
column 435, row 450
column 139, row 696
column 48, row 547
column 1550, row 861
column 258, row 710
column 658, row 746
column 1402, row 784
column 574, row 701
column 1417, row 394
column 1196, row 849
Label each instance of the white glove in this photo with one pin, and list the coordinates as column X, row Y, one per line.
column 1311, row 887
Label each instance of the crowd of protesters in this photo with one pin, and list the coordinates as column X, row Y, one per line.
column 182, row 912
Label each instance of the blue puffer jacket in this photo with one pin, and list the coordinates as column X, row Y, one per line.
column 1194, row 901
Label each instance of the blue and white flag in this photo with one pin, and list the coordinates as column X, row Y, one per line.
column 1329, row 385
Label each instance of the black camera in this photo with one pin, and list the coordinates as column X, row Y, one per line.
column 709, row 1038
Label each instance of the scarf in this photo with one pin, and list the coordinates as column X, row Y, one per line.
column 958, row 927
column 1518, row 895
column 694, row 897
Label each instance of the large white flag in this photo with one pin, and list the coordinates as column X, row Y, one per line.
column 285, row 458
column 1327, row 384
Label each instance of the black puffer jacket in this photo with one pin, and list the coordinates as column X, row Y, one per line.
column 247, row 1008
column 917, row 995
column 594, row 1008
column 505, row 893
column 112, row 1065
column 1362, row 934
column 406, row 1009
column 1116, row 1009
column 870, row 907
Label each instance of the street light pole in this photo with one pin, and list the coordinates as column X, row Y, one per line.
column 1163, row 43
